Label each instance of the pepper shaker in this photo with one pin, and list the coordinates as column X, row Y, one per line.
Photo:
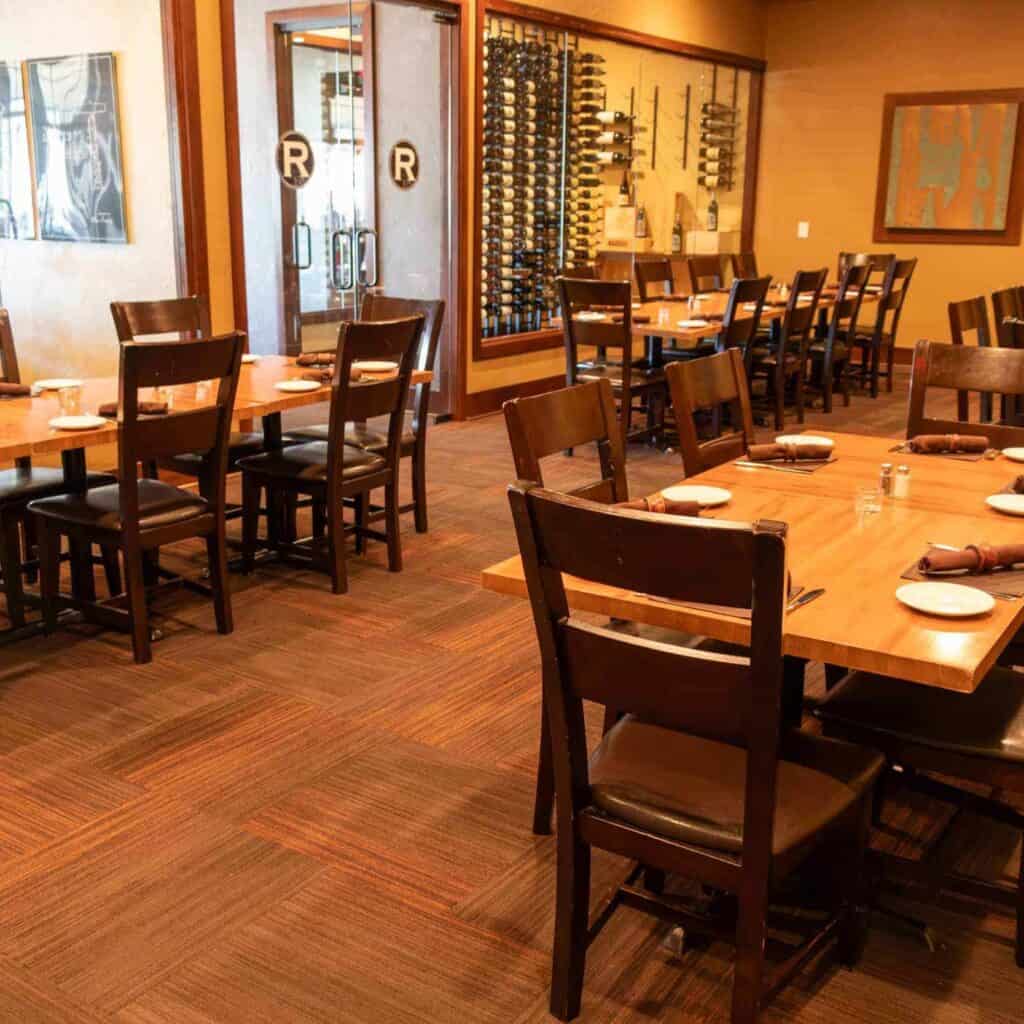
column 885, row 480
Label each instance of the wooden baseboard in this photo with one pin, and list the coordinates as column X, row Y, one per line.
column 483, row 403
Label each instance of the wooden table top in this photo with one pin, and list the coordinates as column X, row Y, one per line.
column 858, row 622
column 25, row 422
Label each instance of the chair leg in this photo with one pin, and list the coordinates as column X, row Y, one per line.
column 544, row 797
column 28, row 528
column 216, row 554
column 751, row 935
column 336, row 548
column 10, row 566
column 135, row 586
column 48, row 541
column 111, row 569
column 151, row 567
column 250, row 521
column 827, row 382
column 853, row 930
column 362, row 520
column 572, row 919
column 799, row 396
column 419, row 487
column 393, row 527
column 780, row 404
column 319, row 519
column 889, row 359
column 1020, row 912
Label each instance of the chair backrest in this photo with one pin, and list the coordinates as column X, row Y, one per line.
column 879, row 262
column 187, row 316
column 729, row 698
column 385, row 307
column 204, row 428
column 802, row 307
column 744, row 264
column 895, row 286
column 962, row 368
column 9, row 371
column 1007, row 303
column 705, row 272
column 709, row 383
column 842, row 326
column 968, row 324
column 581, row 271
column 739, row 325
column 652, row 277
column 544, row 424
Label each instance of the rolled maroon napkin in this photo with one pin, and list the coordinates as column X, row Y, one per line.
column 1017, row 487
column 327, row 375
column 315, row 359
column 109, row 409
column 975, row 558
column 932, row 444
column 638, row 318
column 660, row 504
column 8, row 390
column 788, row 452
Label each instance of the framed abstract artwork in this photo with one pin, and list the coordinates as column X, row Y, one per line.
column 951, row 170
column 17, row 209
column 76, row 142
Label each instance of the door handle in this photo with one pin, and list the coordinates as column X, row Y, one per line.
column 363, row 234
column 341, row 260
column 298, row 228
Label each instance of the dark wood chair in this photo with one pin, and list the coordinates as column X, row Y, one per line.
column 879, row 262
column 414, row 435
column 705, row 273
column 968, row 324
column 698, row 778
column 1007, row 304
column 333, row 473
column 655, row 280
column 739, row 324
column 581, row 271
column 882, row 334
column 830, row 357
column 781, row 359
column 139, row 516
column 710, row 384
column 744, row 264
column 18, row 486
column 631, row 380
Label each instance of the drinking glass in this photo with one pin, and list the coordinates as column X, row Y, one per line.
column 867, row 503
column 663, row 315
column 70, row 400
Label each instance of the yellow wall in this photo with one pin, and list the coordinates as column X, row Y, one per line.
column 828, row 68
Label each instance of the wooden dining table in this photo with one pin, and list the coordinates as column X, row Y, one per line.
column 858, row 559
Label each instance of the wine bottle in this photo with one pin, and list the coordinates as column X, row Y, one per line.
column 610, row 156
column 713, row 213
column 713, row 152
column 718, row 109
column 640, row 228
column 624, row 190
column 677, row 235
column 709, row 180
column 710, row 124
column 611, row 116
column 588, row 58
column 612, row 139
column 712, row 166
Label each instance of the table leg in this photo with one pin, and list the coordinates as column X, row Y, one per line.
column 83, row 584
column 273, row 441
column 792, row 691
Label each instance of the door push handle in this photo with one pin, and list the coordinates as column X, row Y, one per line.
column 341, row 260
column 363, row 234
column 298, row 229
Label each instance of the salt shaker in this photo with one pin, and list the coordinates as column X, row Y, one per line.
column 901, row 482
column 885, row 480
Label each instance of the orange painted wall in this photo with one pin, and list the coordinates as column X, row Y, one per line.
column 829, row 66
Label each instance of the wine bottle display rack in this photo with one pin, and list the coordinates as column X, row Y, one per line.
column 541, row 160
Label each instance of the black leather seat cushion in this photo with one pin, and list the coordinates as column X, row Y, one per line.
column 160, row 504
column 638, row 378
column 692, row 789
column 24, row 485
column 309, row 462
column 838, row 350
column 239, row 446
column 357, row 434
column 988, row 723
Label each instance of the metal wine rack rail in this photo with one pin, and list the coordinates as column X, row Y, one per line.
column 540, row 190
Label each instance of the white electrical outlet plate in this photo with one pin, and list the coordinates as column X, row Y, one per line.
column 803, row 229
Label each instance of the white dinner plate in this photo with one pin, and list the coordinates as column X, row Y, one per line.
column 1011, row 504
column 706, row 497
column 249, row 357
column 56, row 383
column 376, row 367
column 587, row 315
column 702, row 297
column 636, row 305
column 873, row 288
column 1014, row 454
column 750, row 306
column 692, row 323
column 78, row 422
column 948, row 600
column 297, row 385
column 805, row 439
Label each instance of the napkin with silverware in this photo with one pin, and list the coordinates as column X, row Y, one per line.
column 975, row 558
column 327, row 375
column 109, row 409
column 315, row 358
column 662, row 505
column 788, row 452
column 934, row 444
column 9, row 390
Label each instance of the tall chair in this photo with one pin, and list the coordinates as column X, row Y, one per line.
column 782, row 359
column 968, row 324
column 1007, row 304
column 698, row 777
column 705, row 273
column 630, row 381
column 888, row 310
column 655, row 280
column 708, row 385
column 137, row 516
column 830, row 357
column 739, row 322
column 744, row 264
column 332, row 472
column 414, row 436
column 19, row 485
column 879, row 262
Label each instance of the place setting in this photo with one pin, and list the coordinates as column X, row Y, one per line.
column 962, row 447
column 791, row 453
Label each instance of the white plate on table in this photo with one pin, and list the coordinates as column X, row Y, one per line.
column 381, row 366
column 249, row 357
column 1014, row 454
column 590, row 315
column 1011, row 504
column 706, row 497
column 825, row 442
column 750, row 306
column 702, row 297
column 56, row 383
column 78, row 422
column 692, row 323
column 636, row 305
column 947, row 600
column 297, row 385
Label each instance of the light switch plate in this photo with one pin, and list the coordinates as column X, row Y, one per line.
column 803, row 229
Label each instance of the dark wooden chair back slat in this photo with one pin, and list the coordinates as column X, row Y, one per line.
column 879, row 262
column 968, row 323
column 800, row 314
column 544, row 424
column 611, row 297
column 739, row 326
column 705, row 272
column 744, row 264
column 9, row 371
column 963, row 368
column 710, row 383
column 654, row 278
column 187, row 316
column 581, row 272
column 1007, row 304
column 206, row 429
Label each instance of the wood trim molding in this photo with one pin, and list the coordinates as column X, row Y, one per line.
column 483, row 403
column 1011, row 235
column 185, row 136
column 752, row 161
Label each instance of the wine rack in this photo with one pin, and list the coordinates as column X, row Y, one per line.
column 542, row 202
column 719, row 127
